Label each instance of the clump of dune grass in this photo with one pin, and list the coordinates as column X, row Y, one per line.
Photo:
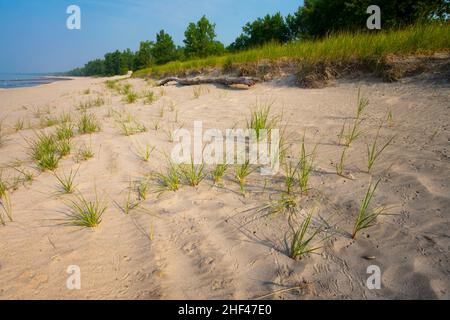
column 219, row 172
column 65, row 118
column 171, row 132
column 374, row 151
column 84, row 212
column 241, row 173
column 64, row 147
column 367, row 218
column 5, row 208
column 143, row 188
column 349, row 134
column 111, row 84
column 47, row 150
column 20, row 123
column 290, row 174
column 341, row 164
column 126, row 88
column 87, row 91
column 283, row 145
column 91, row 103
column 169, row 180
column 130, row 97
column 131, row 127
column 286, row 203
column 303, row 238
column 66, row 182
column 149, row 97
column 197, row 91
column 47, row 121
column 27, row 176
column 305, row 166
column 88, row 124
column 144, row 152
column 261, row 120
column 130, row 202
column 84, row 153
column 65, row 131
column 193, row 174
column 162, row 92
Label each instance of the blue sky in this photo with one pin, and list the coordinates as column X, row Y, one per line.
column 34, row 37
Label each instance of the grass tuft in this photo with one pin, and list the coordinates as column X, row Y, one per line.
column 170, row 180
column 47, row 150
column 305, row 165
column 261, row 120
column 218, row 172
column 131, row 97
column 241, row 173
column 373, row 152
column 149, row 97
column 193, row 174
column 6, row 208
column 366, row 218
column 85, row 213
column 303, row 239
column 66, row 182
column 88, row 124
column 84, row 153
column 341, row 164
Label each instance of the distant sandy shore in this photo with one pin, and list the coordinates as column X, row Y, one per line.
column 210, row 242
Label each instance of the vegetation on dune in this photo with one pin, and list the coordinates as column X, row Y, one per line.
column 47, row 149
column 85, row 213
column 320, row 29
column 340, row 47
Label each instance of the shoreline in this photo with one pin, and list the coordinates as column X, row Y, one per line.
column 33, row 82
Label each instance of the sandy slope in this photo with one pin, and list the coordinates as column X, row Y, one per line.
column 210, row 242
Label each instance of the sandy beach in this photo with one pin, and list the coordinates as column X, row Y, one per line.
column 211, row 242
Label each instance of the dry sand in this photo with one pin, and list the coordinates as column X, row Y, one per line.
column 211, row 242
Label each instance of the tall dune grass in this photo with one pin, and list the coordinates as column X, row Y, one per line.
column 336, row 47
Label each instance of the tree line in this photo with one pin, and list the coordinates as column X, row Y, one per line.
column 315, row 19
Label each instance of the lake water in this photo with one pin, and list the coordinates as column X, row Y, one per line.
column 18, row 80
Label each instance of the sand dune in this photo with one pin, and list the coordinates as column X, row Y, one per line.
column 210, row 242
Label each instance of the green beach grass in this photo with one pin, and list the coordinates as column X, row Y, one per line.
column 339, row 47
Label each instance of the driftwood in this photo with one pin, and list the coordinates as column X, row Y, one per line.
column 249, row 81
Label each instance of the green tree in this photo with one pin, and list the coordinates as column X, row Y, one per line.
column 199, row 39
column 127, row 59
column 144, row 57
column 164, row 49
column 320, row 17
column 93, row 68
column 113, row 63
column 263, row 30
